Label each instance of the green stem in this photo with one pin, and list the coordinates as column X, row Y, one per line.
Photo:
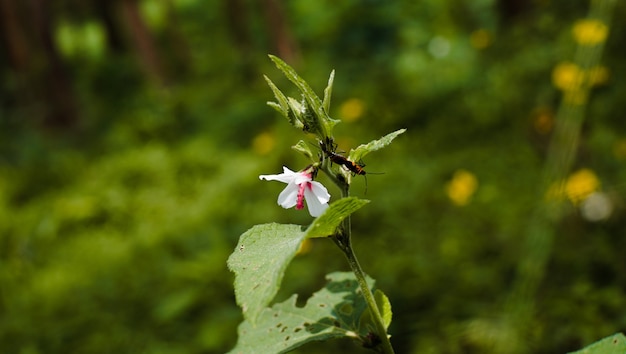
column 344, row 241
column 369, row 299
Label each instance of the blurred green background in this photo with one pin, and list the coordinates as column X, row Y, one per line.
column 132, row 134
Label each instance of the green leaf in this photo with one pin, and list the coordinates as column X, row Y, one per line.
column 328, row 92
column 366, row 322
column 307, row 91
column 277, row 107
column 314, row 102
column 331, row 312
column 259, row 263
column 362, row 150
column 296, row 107
column 384, row 307
column 280, row 97
column 327, row 223
column 615, row 344
column 304, row 148
column 264, row 252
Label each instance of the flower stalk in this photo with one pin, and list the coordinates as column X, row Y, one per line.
column 311, row 115
column 343, row 240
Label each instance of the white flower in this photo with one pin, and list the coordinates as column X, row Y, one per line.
column 301, row 187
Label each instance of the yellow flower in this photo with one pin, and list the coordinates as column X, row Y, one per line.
column 590, row 32
column 580, row 185
column 567, row 76
column 352, row 110
column 461, row 188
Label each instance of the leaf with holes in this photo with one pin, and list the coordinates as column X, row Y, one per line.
column 259, row 262
column 615, row 344
column 264, row 252
column 332, row 312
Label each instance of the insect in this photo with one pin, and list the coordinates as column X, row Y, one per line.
column 329, row 147
column 354, row 167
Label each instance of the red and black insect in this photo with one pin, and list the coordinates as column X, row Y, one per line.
column 355, row 168
column 329, row 148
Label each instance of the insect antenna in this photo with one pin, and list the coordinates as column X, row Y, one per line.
column 365, row 177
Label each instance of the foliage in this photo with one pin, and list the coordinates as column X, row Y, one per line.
column 362, row 150
column 114, row 232
column 613, row 344
column 264, row 251
column 332, row 312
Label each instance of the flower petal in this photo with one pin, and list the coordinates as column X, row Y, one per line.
column 320, row 192
column 289, row 196
column 286, row 177
column 302, row 177
column 315, row 194
column 314, row 204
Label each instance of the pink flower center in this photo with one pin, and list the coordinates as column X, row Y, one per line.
column 300, row 200
column 301, row 188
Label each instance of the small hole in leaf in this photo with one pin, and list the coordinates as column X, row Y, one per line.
column 322, row 305
column 283, row 330
column 346, row 309
column 287, row 338
column 279, row 325
column 297, row 329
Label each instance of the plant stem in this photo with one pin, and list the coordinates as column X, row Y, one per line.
column 369, row 299
column 344, row 242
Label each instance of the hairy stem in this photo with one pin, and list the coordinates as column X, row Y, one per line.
column 369, row 299
column 343, row 240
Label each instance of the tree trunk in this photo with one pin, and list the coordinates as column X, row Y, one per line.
column 280, row 33
column 54, row 80
column 142, row 42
